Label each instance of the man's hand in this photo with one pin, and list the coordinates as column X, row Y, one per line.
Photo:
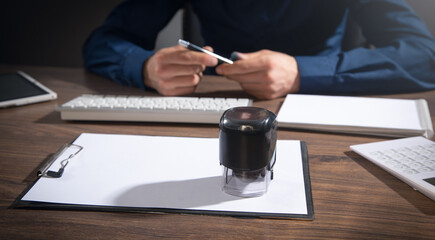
column 176, row 70
column 264, row 74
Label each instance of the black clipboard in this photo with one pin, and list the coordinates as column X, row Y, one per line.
column 19, row 203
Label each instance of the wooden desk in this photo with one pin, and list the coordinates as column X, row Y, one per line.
column 352, row 197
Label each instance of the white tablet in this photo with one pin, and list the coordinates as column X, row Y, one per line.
column 19, row 89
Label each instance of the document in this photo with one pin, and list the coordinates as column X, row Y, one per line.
column 358, row 115
column 168, row 174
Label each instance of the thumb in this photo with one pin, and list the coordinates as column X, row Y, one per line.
column 243, row 56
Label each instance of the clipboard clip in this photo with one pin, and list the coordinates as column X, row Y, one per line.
column 44, row 172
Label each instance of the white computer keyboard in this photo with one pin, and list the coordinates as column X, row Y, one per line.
column 148, row 109
column 412, row 160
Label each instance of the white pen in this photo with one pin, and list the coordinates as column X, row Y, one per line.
column 193, row 47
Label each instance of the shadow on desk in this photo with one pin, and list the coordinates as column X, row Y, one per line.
column 51, row 118
column 407, row 193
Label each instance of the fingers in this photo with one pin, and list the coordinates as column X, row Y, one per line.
column 183, row 56
column 251, row 77
column 247, row 63
column 176, row 70
column 265, row 74
column 181, row 81
column 178, row 85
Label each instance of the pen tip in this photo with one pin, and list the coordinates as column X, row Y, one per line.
column 183, row 43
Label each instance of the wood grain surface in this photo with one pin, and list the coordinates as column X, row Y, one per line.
column 353, row 198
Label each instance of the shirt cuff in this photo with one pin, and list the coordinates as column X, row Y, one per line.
column 316, row 73
column 133, row 66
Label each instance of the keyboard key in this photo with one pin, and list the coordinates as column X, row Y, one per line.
column 425, row 169
column 410, row 171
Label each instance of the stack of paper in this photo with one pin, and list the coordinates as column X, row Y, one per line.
column 359, row 115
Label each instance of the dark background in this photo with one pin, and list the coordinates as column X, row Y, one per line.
column 52, row 32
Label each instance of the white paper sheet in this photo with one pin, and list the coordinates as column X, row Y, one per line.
column 166, row 172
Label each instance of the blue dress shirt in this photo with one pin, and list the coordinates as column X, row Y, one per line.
column 399, row 55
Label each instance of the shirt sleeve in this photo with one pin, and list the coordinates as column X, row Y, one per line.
column 118, row 49
column 402, row 58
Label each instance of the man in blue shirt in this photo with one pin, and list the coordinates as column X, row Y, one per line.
column 283, row 47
